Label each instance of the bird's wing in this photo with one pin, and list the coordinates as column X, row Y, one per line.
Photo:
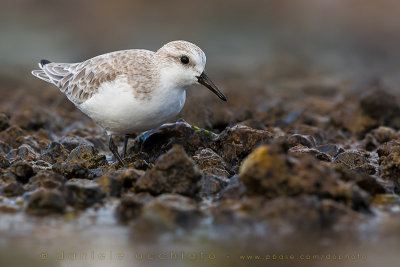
column 79, row 81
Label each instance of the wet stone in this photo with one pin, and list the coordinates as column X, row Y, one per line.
column 131, row 206
column 382, row 106
column 210, row 163
column 71, row 170
column 173, row 172
column 355, row 160
column 55, row 153
column 158, row 141
column 4, row 147
column 46, row 179
column 87, row 156
column 119, row 181
column 12, row 189
column 167, row 212
column 235, row 143
column 70, row 143
column 299, row 150
column 4, row 162
column 298, row 139
column 22, row 170
column 4, row 122
column 330, row 149
column 83, row 193
column 10, row 136
column 267, row 172
column 23, row 152
column 211, row 185
column 45, row 202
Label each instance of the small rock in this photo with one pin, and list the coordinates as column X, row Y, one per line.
column 46, row 179
column 304, row 140
column 34, row 118
column 116, row 182
column 131, row 206
column 158, row 141
column 235, row 143
column 87, row 156
column 22, row 171
column 210, row 163
column 71, row 170
column 55, row 153
column 45, row 202
column 83, row 193
column 211, row 185
column 4, row 162
column 354, row 160
column 330, row 149
column 300, row 150
column 23, row 152
column 4, row 147
column 12, row 189
column 384, row 134
column 173, row 172
column 167, row 212
column 10, row 135
column 70, row 143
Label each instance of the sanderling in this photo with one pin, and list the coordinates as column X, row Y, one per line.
column 131, row 91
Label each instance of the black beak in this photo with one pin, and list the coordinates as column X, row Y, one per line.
column 204, row 80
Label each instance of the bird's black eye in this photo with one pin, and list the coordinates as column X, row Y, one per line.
column 184, row 59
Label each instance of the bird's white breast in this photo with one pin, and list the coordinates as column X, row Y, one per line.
column 118, row 111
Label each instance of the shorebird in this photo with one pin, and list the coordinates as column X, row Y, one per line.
column 131, row 91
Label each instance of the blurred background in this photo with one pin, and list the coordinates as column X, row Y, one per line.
column 343, row 36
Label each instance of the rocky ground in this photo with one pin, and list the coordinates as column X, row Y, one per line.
column 316, row 156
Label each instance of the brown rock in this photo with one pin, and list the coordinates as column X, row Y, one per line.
column 174, row 172
column 45, row 202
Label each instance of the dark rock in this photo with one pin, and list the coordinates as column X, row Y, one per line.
column 298, row 139
column 235, row 189
column 354, row 160
column 23, row 152
column 381, row 105
column 389, row 160
column 87, row 156
column 119, row 181
column 22, row 171
column 10, row 136
column 267, row 172
column 4, row 162
column 369, row 142
column 330, row 149
column 46, row 179
column 158, row 141
column 38, row 141
column 70, row 143
column 71, row 170
column 55, row 153
column 300, row 150
column 131, row 206
column 4, row 122
column 83, row 193
column 12, row 189
column 363, row 180
column 235, row 143
column 211, row 185
column 210, row 163
column 165, row 213
column 174, row 172
column 384, row 134
column 45, row 202
column 4, row 147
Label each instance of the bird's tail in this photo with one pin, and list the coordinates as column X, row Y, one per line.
column 40, row 73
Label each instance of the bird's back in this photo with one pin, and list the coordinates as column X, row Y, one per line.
column 80, row 81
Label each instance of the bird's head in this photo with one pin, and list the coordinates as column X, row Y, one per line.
column 182, row 64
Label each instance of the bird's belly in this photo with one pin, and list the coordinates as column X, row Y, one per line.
column 119, row 112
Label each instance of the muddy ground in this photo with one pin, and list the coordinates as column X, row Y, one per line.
column 310, row 163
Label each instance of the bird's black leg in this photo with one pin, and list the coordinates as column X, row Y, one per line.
column 114, row 150
column 125, row 145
